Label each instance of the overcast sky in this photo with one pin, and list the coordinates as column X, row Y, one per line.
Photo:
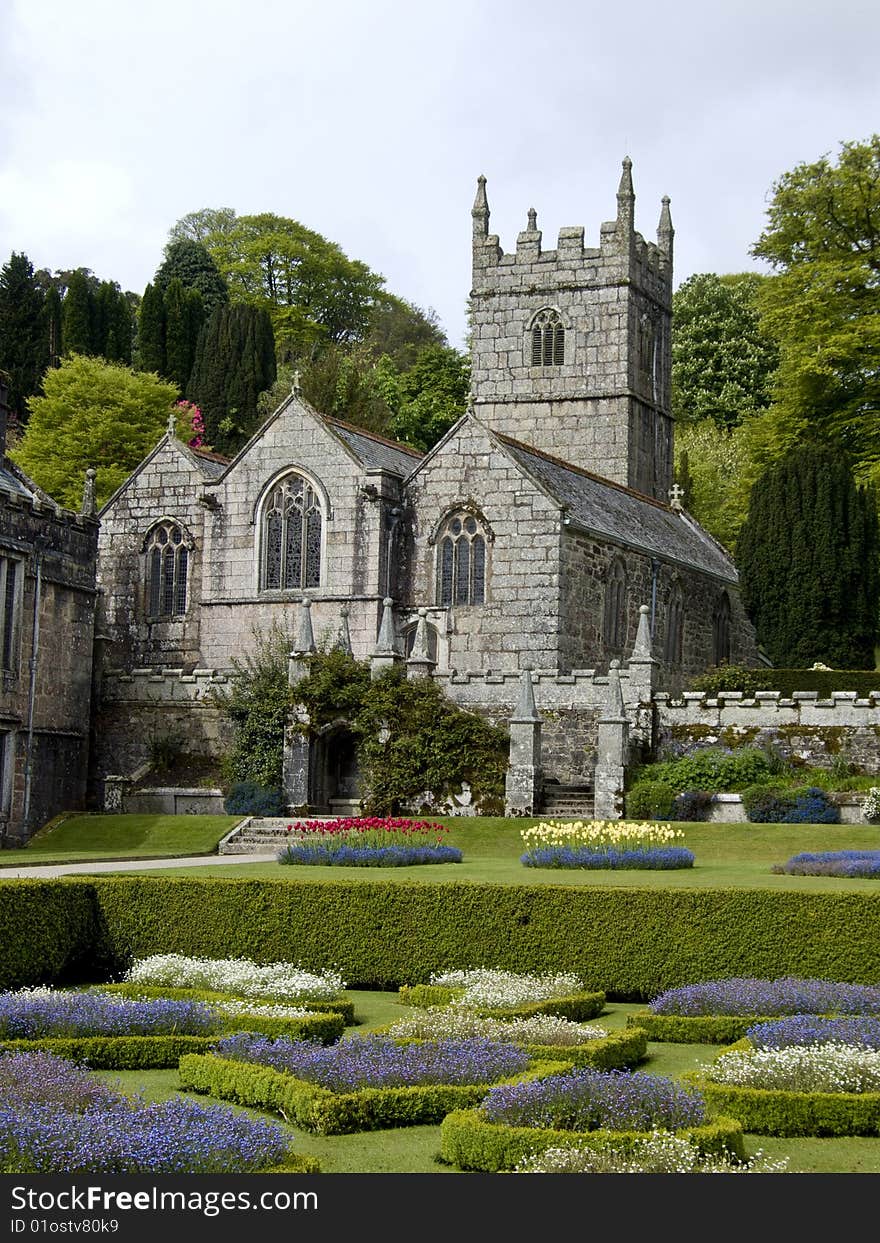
column 370, row 121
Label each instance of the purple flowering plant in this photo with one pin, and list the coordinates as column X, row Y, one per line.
column 847, row 863
column 31, row 1015
column 743, row 995
column 810, row 1029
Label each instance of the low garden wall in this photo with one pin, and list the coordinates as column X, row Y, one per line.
column 631, row 943
column 728, row 809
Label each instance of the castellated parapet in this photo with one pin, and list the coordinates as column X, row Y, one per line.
column 598, row 393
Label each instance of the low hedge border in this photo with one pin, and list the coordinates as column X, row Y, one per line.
column 764, row 1111
column 696, row 1028
column 612, row 1052
column 579, row 1007
column 294, row 1163
column 323, row 1112
column 469, row 1142
column 116, row 1052
column 342, row 1007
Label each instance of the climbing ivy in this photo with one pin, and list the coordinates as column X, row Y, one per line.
column 258, row 703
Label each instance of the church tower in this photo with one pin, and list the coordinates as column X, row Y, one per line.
column 571, row 348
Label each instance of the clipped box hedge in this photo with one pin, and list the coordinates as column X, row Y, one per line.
column 631, row 943
column 333, row 1010
column 116, row 1052
column 612, row 1052
column 469, row 1142
column 579, row 1007
column 766, row 1111
column 696, row 1028
column 316, row 1109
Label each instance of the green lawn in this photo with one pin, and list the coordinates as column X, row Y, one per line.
column 412, row 1150
column 89, row 838
column 726, row 855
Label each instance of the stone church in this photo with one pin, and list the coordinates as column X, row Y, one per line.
column 542, row 533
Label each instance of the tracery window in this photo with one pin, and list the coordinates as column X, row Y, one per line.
column 675, row 626
column 721, row 631
column 461, row 561
column 615, row 606
column 167, row 571
column 292, row 536
column 10, row 596
column 548, row 339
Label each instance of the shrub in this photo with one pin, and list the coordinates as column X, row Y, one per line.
column 809, row 1029
column 744, row 995
column 804, row 805
column 712, row 768
column 258, row 704
column 766, row 1111
column 692, row 805
column 730, row 678
column 649, row 800
column 247, row 798
column 871, row 805
column 29, row 1015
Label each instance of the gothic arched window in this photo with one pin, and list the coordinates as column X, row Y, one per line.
column 675, row 626
column 615, row 606
column 167, row 557
column 292, row 528
column 461, row 561
column 547, row 339
column 721, row 631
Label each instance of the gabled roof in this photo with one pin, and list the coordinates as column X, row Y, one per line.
column 375, row 452
column 622, row 514
column 209, row 466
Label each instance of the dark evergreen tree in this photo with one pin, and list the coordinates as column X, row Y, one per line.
column 24, row 351
column 184, row 315
column 79, row 318
column 235, row 362
column 808, row 561
column 191, row 264
column 151, row 332
column 52, row 322
column 112, row 330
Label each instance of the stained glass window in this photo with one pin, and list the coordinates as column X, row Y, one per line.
column 167, row 559
column 461, row 561
column 292, row 536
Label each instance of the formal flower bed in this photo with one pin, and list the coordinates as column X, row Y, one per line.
column 55, row 1118
column 722, row 1011
column 811, row 1029
column 848, row 863
column 581, row 1108
column 506, row 994
column 358, row 1084
column 30, row 1014
column 830, row 1067
column 369, row 841
column 662, row 1152
column 282, row 980
column 603, row 844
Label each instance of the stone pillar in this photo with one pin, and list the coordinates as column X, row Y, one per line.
column 523, row 785
column 612, row 751
column 304, row 647
column 642, row 666
column 343, row 641
column 420, row 663
column 385, row 655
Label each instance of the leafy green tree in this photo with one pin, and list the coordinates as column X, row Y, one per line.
column 189, row 262
column 808, row 561
column 234, row 363
column 714, row 467
column 184, row 316
column 92, row 413
column 399, row 331
column 823, row 304
column 24, row 349
column 78, row 315
column 430, row 396
column 723, row 360
column 151, row 331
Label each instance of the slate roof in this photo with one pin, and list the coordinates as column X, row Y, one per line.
column 10, row 482
column 212, row 465
column 374, row 451
column 622, row 514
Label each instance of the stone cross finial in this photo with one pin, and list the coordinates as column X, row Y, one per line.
column 295, row 385
column 89, row 506
column 533, row 220
column 676, row 498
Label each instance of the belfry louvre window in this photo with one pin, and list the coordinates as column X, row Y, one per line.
column 167, row 571
column 292, row 530
column 10, row 571
column 461, row 561
column 548, row 340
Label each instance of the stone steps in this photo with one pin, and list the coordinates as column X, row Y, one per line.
column 568, row 802
column 259, row 835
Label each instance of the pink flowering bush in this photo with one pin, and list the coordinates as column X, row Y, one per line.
column 190, row 424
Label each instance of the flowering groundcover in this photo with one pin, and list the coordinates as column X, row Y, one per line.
column 55, row 1118
column 580, row 1107
column 847, row 863
column 604, row 844
column 506, row 994
column 240, row 976
column 358, row 1084
column 367, row 841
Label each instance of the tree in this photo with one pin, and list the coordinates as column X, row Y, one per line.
column 113, row 326
column 151, row 331
column 722, row 358
column 400, row 330
column 823, row 303
column 24, row 345
column 431, row 396
column 234, row 363
column 184, row 316
column 190, row 263
column 52, row 319
column 808, row 561
column 78, row 315
column 713, row 465
column 92, row 413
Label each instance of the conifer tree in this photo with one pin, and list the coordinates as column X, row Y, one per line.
column 24, row 352
column 52, row 322
column 808, row 560
column 235, row 362
column 183, row 319
column 79, row 325
column 151, row 332
column 190, row 263
column 112, row 324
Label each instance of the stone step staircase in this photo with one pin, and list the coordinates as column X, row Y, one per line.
column 568, row 802
column 261, row 835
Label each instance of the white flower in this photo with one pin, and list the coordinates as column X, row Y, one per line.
column 800, row 1068
column 660, row 1153
column 498, row 990
column 455, row 1022
column 283, row 980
